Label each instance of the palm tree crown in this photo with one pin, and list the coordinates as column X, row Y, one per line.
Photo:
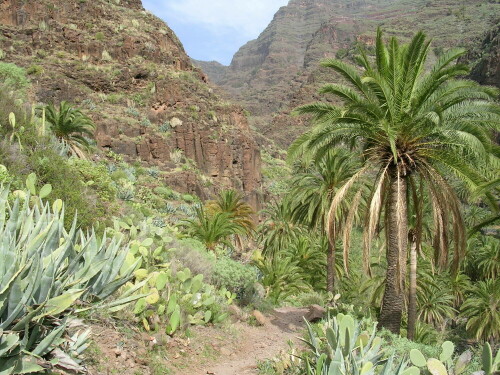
column 412, row 127
column 70, row 125
column 232, row 203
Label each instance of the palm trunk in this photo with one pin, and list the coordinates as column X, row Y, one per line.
column 412, row 295
column 330, row 268
column 397, row 242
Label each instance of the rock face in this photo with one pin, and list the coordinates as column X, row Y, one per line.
column 487, row 58
column 280, row 69
column 129, row 72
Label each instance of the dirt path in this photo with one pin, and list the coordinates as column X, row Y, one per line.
column 235, row 349
column 256, row 344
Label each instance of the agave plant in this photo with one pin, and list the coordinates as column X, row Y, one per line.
column 44, row 269
column 341, row 347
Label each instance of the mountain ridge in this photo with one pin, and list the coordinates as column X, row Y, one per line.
column 278, row 69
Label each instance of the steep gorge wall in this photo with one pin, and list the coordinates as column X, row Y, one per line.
column 130, row 73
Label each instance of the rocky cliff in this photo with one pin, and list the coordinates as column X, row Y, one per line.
column 130, row 73
column 280, row 68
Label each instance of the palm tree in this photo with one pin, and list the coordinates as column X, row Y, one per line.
column 482, row 310
column 212, row 229
column 413, row 127
column 435, row 305
column 278, row 231
column 311, row 195
column 281, row 276
column 232, row 203
column 71, row 126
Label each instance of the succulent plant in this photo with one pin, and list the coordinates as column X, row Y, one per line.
column 445, row 365
column 342, row 348
column 177, row 299
column 44, row 269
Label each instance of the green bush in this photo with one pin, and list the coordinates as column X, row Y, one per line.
column 9, row 103
column 34, row 70
column 40, row 156
column 5, row 177
column 164, row 192
column 188, row 198
column 235, row 277
column 13, row 76
column 119, row 175
column 401, row 346
column 192, row 254
column 96, row 177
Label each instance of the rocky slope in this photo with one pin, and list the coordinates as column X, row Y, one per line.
column 279, row 69
column 130, row 73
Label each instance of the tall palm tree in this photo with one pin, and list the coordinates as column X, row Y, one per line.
column 311, row 195
column 410, row 125
column 70, row 125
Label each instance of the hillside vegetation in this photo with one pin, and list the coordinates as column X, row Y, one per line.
column 375, row 237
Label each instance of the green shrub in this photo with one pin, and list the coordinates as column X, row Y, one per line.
column 119, row 175
column 401, row 346
column 310, row 298
column 188, row 198
column 5, row 177
column 99, row 36
column 235, row 277
column 13, row 76
column 164, row 192
column 96, row 177
column 34, row 70
column 41, row 156
column 114, row 98
column 192, row 254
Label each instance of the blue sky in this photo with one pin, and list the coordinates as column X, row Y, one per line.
column 215, row 29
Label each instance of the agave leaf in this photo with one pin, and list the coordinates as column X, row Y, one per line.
column 7, row 342
column 19, row 365
column 58, row 304
column 45, row 345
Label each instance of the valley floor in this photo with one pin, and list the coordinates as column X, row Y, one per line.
column 235, row 349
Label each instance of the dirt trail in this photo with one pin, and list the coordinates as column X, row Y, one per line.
column 255, row 344
column 235, row 349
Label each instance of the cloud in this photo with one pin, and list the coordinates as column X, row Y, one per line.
column 248, row 18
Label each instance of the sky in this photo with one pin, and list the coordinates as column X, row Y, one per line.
column 215, row 29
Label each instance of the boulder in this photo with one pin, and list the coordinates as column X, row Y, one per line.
column 315, row 313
